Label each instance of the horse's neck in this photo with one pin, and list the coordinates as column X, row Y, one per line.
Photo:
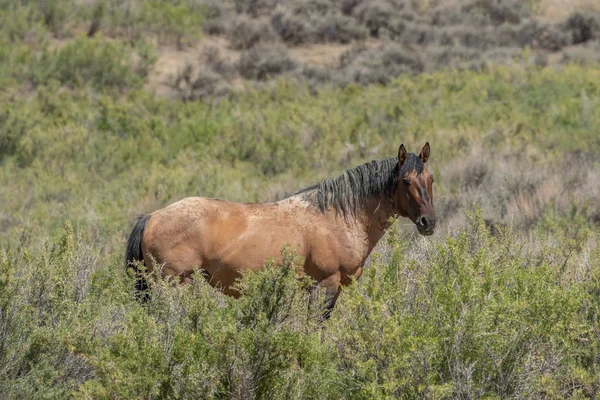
column 377, row 217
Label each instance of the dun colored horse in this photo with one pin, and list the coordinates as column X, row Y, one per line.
column 333, row 225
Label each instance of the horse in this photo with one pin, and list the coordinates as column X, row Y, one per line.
column 333, row 225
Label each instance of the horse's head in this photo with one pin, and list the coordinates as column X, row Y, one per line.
column 414, row 193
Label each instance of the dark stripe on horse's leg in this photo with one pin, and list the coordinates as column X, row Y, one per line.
column 330, row 299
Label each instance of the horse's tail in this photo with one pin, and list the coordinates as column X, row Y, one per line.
column 133, row 256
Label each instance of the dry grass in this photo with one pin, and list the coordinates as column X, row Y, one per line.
column 558, row 10
column 512, row 190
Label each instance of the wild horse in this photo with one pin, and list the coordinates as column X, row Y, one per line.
column 333, row 225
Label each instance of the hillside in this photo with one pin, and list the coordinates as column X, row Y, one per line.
column 370, row 42
column 112, row 109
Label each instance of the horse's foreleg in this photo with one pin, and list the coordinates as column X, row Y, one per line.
column 326, row 303
column 332, row 291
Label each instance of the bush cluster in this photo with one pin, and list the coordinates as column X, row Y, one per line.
column 262, row 63
column 314, row 22
column 463, row 34
column 178, row 22
column 99, row 153
column 100, row 64
column 245, row 33
column 469, row 315
column 208, row 82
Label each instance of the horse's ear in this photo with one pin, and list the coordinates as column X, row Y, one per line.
column 402, row 155
column 424, row 156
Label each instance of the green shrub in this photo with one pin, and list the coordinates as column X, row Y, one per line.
column 39, row 297
column 215, row 12
column 72, row 328
column 244, row 33
column 471, row 316
column 367, row 66
column 204, row 84
column 29, row 20
column 314, row 22
column 262, row 63
column 94, row 62
column 467, row 315
column 179, row 21
column 206, row 81
column 582, row 28
column 375, row 15
column 290, row 28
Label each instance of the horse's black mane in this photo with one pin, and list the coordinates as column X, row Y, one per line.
column 348, row 192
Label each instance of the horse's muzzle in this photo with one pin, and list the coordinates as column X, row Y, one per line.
column 426, row 224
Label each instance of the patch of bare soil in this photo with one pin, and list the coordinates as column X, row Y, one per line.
column 324, row 54
column 172, row 61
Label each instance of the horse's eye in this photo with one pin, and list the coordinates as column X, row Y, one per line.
column 406, row 182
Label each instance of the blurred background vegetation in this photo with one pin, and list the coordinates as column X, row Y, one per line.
column 109, row 109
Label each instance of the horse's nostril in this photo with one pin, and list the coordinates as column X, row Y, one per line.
column 423, row 221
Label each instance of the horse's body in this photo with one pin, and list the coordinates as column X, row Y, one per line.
column 333, row 225
column 224, row 238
